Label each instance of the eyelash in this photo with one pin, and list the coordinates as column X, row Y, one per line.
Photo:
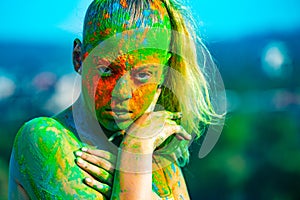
column 103, row 71
column 106, row 71
column 148, row 75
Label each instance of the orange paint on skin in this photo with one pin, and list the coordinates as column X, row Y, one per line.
column 124, row 3
column 85, row 55
column 141, row 99
column 107, row 31
column 106, row 16
column 126, row 77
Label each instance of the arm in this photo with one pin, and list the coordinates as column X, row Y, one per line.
column 16, row 190
column 44, row 163
column 133, row 179
column 176, row 182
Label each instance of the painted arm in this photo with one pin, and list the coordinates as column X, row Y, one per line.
column 133, row 178
column 176, row 182
column 44, row 163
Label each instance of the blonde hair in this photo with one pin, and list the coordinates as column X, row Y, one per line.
column 189, row 92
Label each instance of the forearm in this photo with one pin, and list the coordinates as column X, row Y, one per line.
column 133, row 176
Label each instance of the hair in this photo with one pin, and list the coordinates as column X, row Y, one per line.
column 186, row 88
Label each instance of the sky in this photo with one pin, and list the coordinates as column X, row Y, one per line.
column 39, row 20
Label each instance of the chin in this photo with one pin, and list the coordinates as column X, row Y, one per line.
column 115, row 125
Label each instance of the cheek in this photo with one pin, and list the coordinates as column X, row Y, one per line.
column 103, row 92
column 142, row 98
column 99, row 89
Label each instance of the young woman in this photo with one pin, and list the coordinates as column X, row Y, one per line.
column 143, row 98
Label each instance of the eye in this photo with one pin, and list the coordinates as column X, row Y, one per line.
column 142, row 76
column 104, row 71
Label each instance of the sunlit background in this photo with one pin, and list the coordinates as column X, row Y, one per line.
column 256, row 45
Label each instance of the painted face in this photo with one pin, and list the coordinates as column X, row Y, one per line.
column 118, row 86
column 121, row 90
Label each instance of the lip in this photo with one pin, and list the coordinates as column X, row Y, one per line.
column 119, row 114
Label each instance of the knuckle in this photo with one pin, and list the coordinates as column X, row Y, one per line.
column 177, row 129
column 84, row 156
column 171, row 122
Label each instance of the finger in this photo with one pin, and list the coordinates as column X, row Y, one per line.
column 100, row 187
column 98, row 161
column 171, row 115
column 176, row 115
column 179, row 137
column 179, row 130
column 171, row 122
column 97, row 172
column 168, row 115
column 100, row 153
column 171, row 129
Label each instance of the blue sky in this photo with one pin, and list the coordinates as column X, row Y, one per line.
column 39, row 20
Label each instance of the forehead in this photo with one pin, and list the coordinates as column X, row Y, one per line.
column 149, row 45
column 133, row 60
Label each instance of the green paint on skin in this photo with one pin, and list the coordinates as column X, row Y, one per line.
column 101, row 23
column 99, row 91
column 43, row 148
column 43, row 151
column 159, row 181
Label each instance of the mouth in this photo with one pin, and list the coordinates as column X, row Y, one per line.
column 118, row 110
column 120, row 114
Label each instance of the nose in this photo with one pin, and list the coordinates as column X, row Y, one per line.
column 123, row 90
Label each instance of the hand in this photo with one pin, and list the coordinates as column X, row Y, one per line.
column 151, row 130
column 100, row 165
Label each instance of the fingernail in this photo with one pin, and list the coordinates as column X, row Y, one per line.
column 78, row 153
column 79, row 160
column 84, row 149
column 179, row 137
column 88, row 180
column 189, row 137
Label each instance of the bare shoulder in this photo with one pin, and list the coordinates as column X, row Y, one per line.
column 42, row 162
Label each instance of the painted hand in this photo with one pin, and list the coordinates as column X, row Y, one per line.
column 100, row 165
column 151, row 130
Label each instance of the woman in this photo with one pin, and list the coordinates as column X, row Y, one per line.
column 127, row 135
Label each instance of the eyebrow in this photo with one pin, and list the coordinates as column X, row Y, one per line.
column 141, row 67
column 115, row 64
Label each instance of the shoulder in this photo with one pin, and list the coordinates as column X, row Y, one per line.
column 43, row 131
column 42, row 161
column 42, row 137
column 40, row 126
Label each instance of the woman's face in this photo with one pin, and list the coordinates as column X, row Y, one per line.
column 123, row 89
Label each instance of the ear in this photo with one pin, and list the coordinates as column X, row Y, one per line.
column 77, row 55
